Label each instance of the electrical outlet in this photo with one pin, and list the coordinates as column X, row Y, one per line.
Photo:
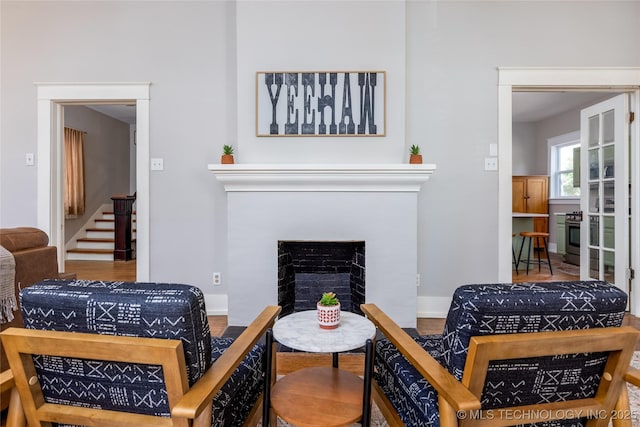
column 417, row 280
column 491, row 163
column 216, row 279
column 157, row 164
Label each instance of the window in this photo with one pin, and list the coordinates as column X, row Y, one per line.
column 561, row 152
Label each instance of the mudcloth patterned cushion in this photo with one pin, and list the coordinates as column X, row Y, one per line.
column 153, row 310
column 501, row 309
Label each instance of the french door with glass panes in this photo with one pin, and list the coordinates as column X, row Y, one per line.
column 604, row 200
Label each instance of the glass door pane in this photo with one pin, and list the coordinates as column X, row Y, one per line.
column 594, row 230
column 609, row 260
column 608, row 158
column 608, row 197
column 609, row 233
column 594, row 163
column 594, row 263
column 594, row 130
column 594, row 197
column 608, row 127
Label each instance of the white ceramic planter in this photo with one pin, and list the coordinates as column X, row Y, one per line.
column 329, row 316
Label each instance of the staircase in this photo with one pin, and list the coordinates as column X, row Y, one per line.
column 98, row 243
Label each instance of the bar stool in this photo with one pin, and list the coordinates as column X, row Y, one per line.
column 537, row 235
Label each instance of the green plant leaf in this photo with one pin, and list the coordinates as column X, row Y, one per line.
column 329, row 299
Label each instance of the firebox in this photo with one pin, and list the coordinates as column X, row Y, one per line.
column 306, row 269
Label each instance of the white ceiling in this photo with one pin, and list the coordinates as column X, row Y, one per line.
column 123, row 112
column 526, row 106
column 536, row 106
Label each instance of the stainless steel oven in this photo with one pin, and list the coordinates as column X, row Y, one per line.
column 572, row 229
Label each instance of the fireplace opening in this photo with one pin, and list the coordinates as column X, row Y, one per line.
column 306, row 269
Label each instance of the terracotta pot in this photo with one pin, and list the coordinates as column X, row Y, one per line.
column 227, row 159
column 415, row 159
column 329, row 316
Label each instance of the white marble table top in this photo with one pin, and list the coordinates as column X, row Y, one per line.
column 301, row 331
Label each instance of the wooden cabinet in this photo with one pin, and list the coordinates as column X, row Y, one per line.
column 518, row 193
column 530, row 194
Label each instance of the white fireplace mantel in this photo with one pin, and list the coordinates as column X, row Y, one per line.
column 373, row 203
column 322, row 177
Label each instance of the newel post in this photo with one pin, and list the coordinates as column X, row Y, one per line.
column 122, row 209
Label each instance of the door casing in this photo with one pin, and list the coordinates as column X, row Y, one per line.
column 560, row 79
column 50, row 193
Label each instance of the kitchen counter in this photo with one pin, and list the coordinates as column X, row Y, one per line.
column 529, row 215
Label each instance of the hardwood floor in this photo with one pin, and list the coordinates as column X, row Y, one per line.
column 561, row 271
column 124, row 271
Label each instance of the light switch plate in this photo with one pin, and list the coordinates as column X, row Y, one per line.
column 29, row 159
column 493, row 149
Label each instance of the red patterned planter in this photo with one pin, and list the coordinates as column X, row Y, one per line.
column 329, row 316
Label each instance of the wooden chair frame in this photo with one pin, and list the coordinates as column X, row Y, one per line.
column 455, row 396
column 189, row 406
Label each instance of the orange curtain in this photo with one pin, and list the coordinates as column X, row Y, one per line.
column 74, row 166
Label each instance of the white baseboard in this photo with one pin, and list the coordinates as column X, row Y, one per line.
column 433, row 307
column 217, row 304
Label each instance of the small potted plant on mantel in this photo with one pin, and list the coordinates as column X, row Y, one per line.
column 329, row 311
column 415, row 157
column 227, row 156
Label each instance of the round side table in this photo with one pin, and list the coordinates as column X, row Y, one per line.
column 302, row 397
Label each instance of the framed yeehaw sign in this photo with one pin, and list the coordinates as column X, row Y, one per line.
column 321, row 103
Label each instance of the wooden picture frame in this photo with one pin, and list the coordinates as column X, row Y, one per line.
column 321, row 103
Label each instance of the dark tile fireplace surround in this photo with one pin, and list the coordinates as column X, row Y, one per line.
column 307, row 269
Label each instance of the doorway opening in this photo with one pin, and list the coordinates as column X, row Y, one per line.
column 52, row 97
column 107, row 168
column 546, row 147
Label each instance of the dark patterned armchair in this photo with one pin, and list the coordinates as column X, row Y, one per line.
column 539, row 354
column 108, row 356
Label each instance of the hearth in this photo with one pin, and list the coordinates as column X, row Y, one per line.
column 306, row 269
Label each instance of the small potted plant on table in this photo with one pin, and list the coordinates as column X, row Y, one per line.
column 329, row 311
column 415, row 157
column 227, row 156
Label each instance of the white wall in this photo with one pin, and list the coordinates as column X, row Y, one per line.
column 202, row 68
column 181, row 47
column 321, row 36
column 524, row 150
column 453, row 49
